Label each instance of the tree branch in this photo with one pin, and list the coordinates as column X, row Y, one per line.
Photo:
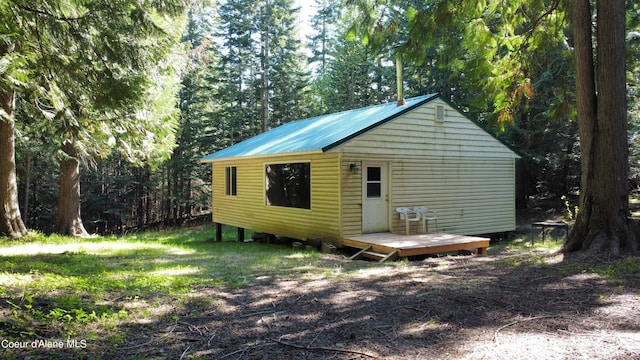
column 537, row 21
column 46, row 13
column 321, row 348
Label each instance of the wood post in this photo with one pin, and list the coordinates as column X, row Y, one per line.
column 218, row 232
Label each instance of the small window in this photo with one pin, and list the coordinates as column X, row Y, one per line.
column 230, row 181
column 288, row 185
column 374, row 182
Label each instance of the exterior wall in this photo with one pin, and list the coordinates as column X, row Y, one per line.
column 249, row 210
column 351, row 195
column 418, row 134
column 470, row 195
column 454, row 167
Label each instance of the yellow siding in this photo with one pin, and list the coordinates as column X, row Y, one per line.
column 417, row 134
column 471, row 195
column 351, row 194
column 454, row 167
column 249, row 210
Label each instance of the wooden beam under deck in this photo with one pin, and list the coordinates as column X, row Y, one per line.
column 417, row 244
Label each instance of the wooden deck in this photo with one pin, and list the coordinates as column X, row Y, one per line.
column 399, row 245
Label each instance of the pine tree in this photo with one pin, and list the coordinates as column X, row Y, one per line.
column 238, row 110
column 288, row 79
column 324, row 23
column 355, row 76
column 262, row 80
column 187, row 183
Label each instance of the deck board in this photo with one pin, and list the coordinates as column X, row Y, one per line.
column 417, row 244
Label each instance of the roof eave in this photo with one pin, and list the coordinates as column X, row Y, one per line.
column 262, row 156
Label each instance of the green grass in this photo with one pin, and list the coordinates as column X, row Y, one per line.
column 65, row 286
column 523, row 244
column 521, row 252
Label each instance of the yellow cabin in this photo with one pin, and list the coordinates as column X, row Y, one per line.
column 344, row 174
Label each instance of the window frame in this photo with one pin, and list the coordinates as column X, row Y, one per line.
column 231, row 180
column 373, row 183
column 287, row 202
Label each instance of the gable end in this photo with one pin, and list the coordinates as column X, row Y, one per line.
column 379, row 123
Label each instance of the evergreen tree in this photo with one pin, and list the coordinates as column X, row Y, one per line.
column 633, row 88
column 355, row 76
column 238, row 111
column 188, row 182
column 13, row 77
column 351, row 79
column 602, row 224
column 324, row 24
column 90, row 68
column 261, row 73
column 285, row 66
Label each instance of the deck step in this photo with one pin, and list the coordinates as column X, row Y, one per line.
column 374, row 255
column 360, row 253
column 381, row 257
column 391, row 256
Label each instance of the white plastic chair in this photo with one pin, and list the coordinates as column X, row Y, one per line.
column 408, row 215
column 426, row 215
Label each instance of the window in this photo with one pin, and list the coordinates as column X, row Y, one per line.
column 230, row 181
column 374, row 182
column 288, row 185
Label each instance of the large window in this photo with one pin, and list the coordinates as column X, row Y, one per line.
column 230, row 181
column 288, row 185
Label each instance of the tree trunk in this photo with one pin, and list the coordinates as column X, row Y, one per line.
column 11, row 224
column 27, row 188
column 139, row 196
column 69, row 221
column 602, row 224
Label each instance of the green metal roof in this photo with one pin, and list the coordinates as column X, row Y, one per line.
column 319, row 133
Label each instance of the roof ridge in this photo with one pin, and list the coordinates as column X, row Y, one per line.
column 415, row 98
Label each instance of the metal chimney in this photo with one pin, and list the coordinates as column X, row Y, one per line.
column 399, row 83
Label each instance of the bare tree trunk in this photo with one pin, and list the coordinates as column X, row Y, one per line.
column 69, row 220
column 11, row 224
column 602, row 224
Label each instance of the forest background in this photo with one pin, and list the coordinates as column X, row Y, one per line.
column 240, row 67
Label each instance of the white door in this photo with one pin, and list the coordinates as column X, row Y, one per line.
column 375, row 197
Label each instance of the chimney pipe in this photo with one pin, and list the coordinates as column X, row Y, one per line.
column 399, row 84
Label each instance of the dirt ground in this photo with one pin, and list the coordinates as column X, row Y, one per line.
column 505, row 306
column 510, row 306
column 445, row 308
